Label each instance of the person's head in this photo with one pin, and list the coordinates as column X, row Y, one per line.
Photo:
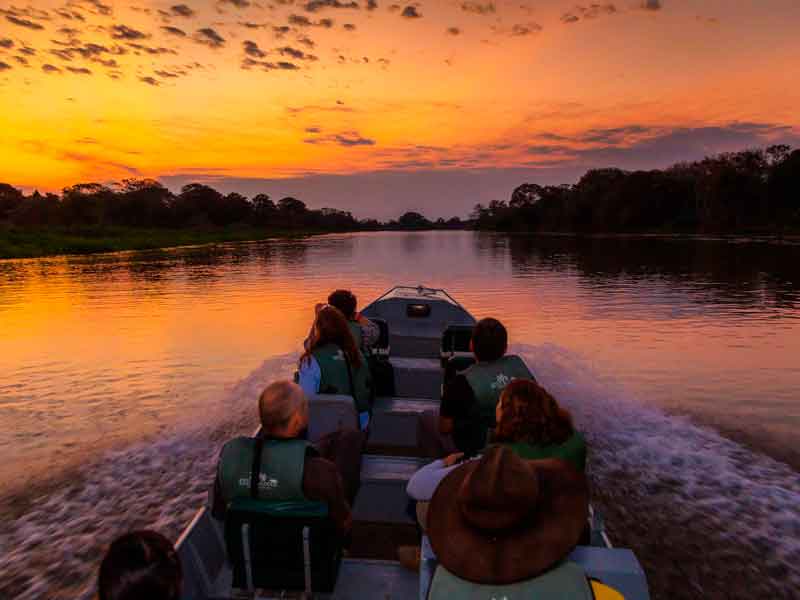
column 527, row 413
column 283, row 408
column 489, row 340
column 345, row 301
column 140, row 564
column 330, row 327
column 520, row 517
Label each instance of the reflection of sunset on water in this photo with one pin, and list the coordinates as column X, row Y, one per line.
column 140, row 340
column 219, row 93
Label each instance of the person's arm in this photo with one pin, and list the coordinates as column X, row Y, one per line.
column 309, row 376
column 370, row 332
column 323, row 483
column 457, row 402
column 424, row 482
column 218, row 503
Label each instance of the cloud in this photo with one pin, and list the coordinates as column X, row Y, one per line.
column 347, row 139
column 4, row 66
column 23, row 22
column 152, row 50
column 299, row 21
column 173, row 30
column 453, row 31
column 236, row 3
column 410, row 12
column 316, row 5
column 182, row 10
column 349, row 27
column 123, row 32
column 249, row 63
column 6, row 43
column 521, row 29
column 251, row 49
column 651, row 4
column 588, row 12
column 79, row 70
column 150, row 81
column 295, row 53
column 313, row 130
column 306, row 41
column 372, row 5
column 478, row 8
column 48, row 68
column 209, row 37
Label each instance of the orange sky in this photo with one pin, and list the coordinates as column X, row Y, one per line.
column 96, row 90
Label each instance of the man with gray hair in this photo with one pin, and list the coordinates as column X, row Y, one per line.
column 288, row 466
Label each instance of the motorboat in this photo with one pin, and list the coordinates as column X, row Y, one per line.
column 424, row 336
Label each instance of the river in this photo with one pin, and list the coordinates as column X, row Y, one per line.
column 120, row 374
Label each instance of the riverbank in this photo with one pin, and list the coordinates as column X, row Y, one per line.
column 38, row 242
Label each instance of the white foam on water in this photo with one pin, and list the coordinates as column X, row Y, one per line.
column 749, row 498
column 54, row 550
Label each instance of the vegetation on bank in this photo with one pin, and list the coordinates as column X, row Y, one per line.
column 141, row 214
column 753, row 191
column 33, row 242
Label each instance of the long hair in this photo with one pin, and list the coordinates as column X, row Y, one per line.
column 331, row 327
column 531, row 415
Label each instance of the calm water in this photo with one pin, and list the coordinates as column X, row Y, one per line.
column 98, row 351
column 147, row 355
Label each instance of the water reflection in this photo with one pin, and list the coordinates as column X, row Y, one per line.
column 101, row 350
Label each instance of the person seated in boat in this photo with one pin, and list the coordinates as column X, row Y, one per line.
column 503, row 527
column 529, row 422
column 333, row 364
column 469, row 400
column 365, row 333
column 534, row 426
column 140, row 564
column 326, row 472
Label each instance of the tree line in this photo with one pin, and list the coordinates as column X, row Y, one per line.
column 145, row 203
column 755, row 190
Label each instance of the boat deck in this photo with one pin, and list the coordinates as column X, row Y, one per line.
column 381, row 521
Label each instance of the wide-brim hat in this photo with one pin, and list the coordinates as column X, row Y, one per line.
column 504, row 519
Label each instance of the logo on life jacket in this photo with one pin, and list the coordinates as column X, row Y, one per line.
column 339, row 355
column 501, row 381
column 264, row 482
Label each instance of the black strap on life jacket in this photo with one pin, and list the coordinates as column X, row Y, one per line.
column 255, row 469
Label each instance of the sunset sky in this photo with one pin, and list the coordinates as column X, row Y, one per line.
column 378, row 107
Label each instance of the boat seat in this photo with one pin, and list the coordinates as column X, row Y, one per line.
column 282, row 546
column 417, row 377
column 455, row 344
column 616, row 567
column 384, row 579
column 330, row 412
column 382, row 497
column 382, row 347
column 394, row 421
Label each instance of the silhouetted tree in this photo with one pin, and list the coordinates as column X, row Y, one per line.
column 10, row 200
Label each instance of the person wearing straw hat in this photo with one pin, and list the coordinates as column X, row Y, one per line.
column 502, row 527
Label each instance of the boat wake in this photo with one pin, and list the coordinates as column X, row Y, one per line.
column 682, row 496
column 54, row 550
column 701, row 512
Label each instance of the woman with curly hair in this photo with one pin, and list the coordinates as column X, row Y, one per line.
column 534, row 426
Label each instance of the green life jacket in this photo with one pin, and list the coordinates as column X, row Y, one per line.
column 573, row 451
column 487, row 381
column 355, row 329
column 280, row 477
column 567, row 581
column 335, row 379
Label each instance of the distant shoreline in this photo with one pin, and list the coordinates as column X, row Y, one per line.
column 42, row 242
column 19, row 243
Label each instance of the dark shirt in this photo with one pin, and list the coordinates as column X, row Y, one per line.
column 459, row 404
column 321, row 483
